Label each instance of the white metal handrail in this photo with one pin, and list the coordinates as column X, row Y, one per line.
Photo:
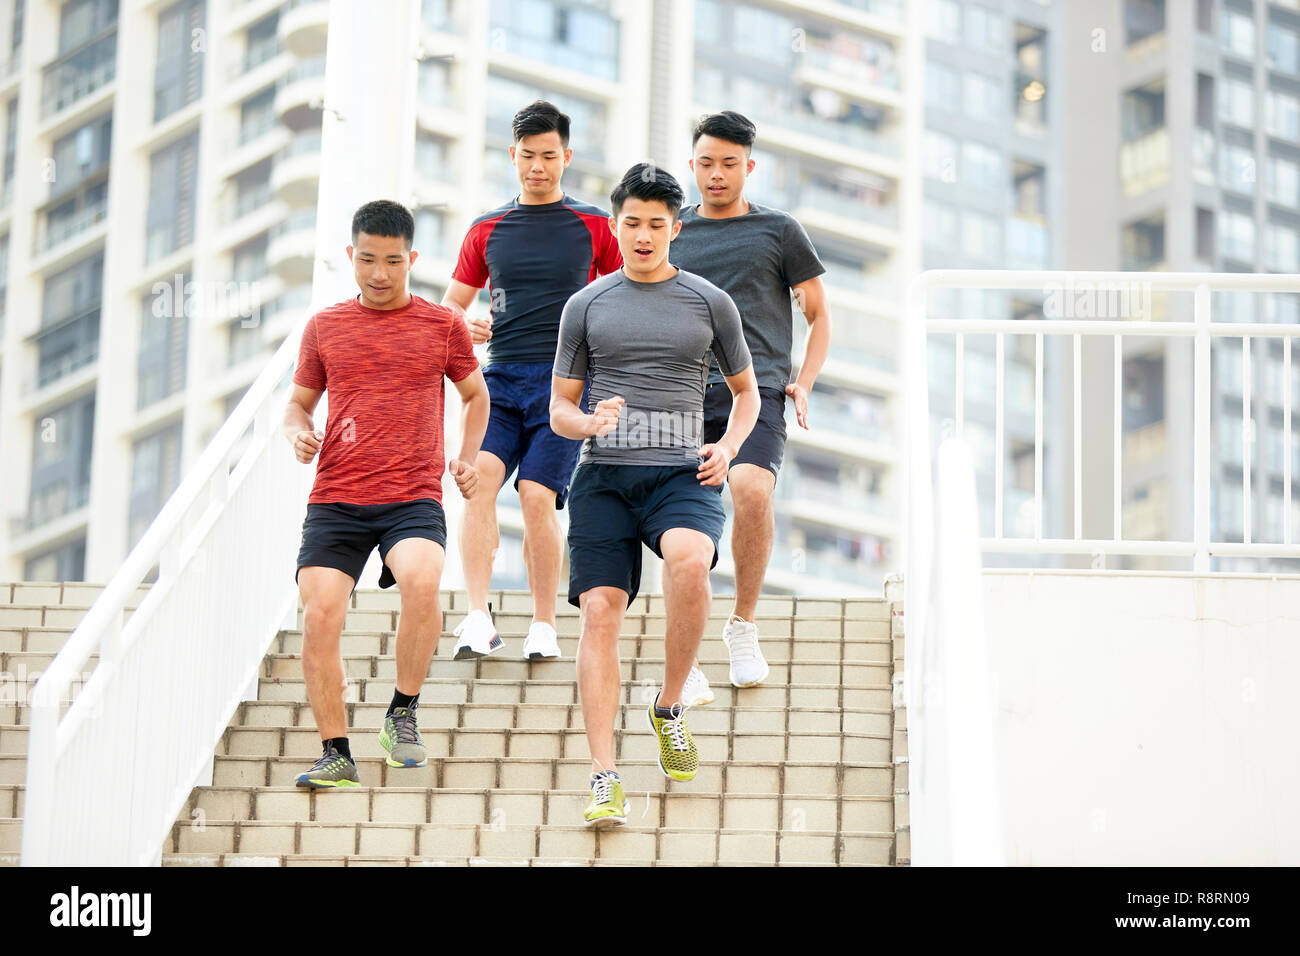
column 932, row 813
column 106, row 779
column 1202, row 329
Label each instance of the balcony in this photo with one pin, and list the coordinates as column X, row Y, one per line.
column 300, row 94
column 55, row 502
column 1144, row 163
column 59, row 226
column 295, row 177
column 302, row 27
column 291, row 252
column 76, row 75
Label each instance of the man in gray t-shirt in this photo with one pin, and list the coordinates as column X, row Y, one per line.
column 644, row 336
column 759, row 256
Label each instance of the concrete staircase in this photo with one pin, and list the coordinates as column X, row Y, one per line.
column 809, row 769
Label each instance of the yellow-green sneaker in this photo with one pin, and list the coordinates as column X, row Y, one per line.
column 678, row 757
column 608, row 806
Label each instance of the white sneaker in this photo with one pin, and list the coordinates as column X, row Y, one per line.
column 476, row 637
column 748, row 666
column 696, row 691
column 540, row 642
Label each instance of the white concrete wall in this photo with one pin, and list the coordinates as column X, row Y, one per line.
column 1148, row 719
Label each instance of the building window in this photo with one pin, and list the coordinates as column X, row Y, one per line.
column 1236, row 236
column 1237, row 168
column 178, row 77
column 1237, row 33
column 173, row 181
column 261, row 41
column 944, row 22
column 1144, row 244
column 940, row 225
column 1144, row 112
column 1284, row 182
column 164, row 343
column 65, row 563
column 982, row 97
column 1283, row 49
column 982, row 167
column 984, row 28
column 155, row 472
column 981, row 236
column 1237, row 102
column 60, row 481
column 580, row 36
column 1143, row 19
column 942, row 86
column 1281, row 248
column 1282, row 115
column 939, row 159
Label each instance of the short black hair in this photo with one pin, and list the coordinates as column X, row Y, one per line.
column 647, row 182
column 728, row 125
column 383, row 217
column 540, row 116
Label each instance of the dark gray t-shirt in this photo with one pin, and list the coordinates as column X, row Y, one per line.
column 649, row 342
column 756, row 259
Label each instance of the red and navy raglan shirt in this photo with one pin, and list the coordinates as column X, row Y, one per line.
column 533, row 258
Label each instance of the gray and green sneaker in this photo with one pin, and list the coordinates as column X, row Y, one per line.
column 678, row 756
column 332, row 769
column 608, row 806
column 401, row 738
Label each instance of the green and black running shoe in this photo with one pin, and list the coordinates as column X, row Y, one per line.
column 608, row 806
column 401, row 738
column 331, row 770
column 678, row 756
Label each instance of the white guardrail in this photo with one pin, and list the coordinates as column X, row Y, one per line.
column 941, row 557
column 107, row 778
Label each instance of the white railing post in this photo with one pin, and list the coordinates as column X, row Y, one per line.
column 1201, row 432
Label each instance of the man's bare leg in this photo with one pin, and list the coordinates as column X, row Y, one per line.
column 687, row 556
column 417, row 564
column 325, row 593
column 543, row 548
column 479, row 536
column 599, row 682
column 752, row 531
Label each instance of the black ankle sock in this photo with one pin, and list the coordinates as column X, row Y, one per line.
column 340, row 744
column 402, row 700
column 663, row 713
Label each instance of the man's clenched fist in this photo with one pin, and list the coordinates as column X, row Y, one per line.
column 466, row 476
column 306, row 444
column 605, row 418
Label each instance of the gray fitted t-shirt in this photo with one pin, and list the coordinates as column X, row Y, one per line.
column 756, row 259
column 649, row 342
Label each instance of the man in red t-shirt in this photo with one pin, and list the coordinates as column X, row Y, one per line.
column 382, row 356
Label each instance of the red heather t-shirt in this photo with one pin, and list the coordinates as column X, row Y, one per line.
column 383, row 370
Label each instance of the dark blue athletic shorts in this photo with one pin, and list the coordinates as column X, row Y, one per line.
column 614, row 508
column 342, row 536
column 765, row 445
column 519, row 428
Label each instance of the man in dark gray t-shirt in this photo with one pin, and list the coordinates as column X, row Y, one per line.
column 644, row 336
column 759, row 256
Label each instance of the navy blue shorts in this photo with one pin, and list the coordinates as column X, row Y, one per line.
column 765, row 445
column 614, row 508
column 341, row 536
column 519, row 428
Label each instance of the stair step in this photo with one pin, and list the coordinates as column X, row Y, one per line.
column 535, row 807
column 632, row 842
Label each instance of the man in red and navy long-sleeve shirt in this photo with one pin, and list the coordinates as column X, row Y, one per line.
column 534, row 252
